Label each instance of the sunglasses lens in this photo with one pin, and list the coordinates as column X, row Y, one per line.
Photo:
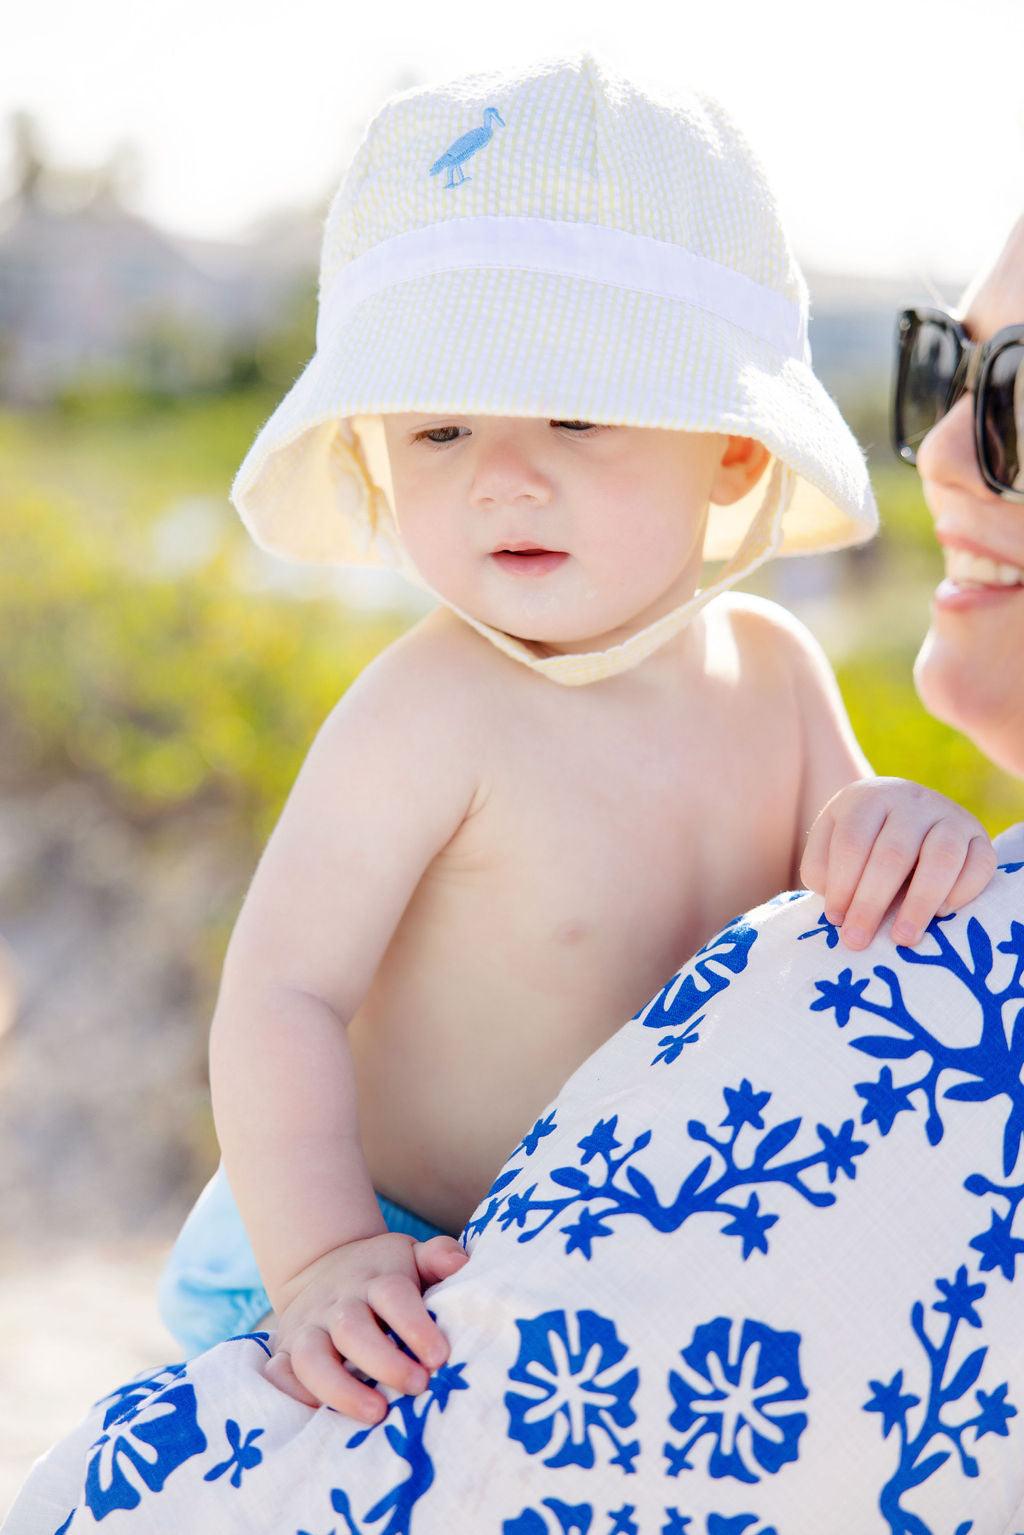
column 1002, row 422
column 929, row 355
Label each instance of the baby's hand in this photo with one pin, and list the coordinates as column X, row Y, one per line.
column 868, row 839
column 330, row 1311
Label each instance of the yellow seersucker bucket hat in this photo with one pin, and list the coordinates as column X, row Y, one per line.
column 557, row 242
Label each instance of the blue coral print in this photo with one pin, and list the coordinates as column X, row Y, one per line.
column 927, row 1419
column 404, row 1426
column 736, row 1160
column 574, row 1395
column 736, row 1392
column 541, row 1128
column 986, row 1069
column 717, row 1409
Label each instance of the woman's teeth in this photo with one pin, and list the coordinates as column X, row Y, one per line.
column 968, row 569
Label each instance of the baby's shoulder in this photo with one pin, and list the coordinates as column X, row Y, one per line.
column 764, row 636
column 429, row 682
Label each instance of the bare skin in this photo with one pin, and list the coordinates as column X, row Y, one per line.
column 480, row 875
column 968, row 672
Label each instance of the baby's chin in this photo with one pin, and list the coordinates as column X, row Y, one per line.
column 565, row 635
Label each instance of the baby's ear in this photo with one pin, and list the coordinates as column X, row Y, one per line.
column 740, row 467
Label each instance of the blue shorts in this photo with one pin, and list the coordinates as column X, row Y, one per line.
column 210, row 1288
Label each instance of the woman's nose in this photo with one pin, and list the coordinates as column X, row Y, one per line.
column 947, row 454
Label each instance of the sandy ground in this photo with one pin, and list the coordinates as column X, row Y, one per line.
column 105, row 1135
column 75, row 1325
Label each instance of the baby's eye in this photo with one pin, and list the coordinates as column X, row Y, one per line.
column 436, row 432
column 435, row 435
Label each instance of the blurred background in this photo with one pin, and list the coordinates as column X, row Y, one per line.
column 164, row 174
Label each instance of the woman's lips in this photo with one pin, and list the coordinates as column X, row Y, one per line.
column 531, row 562
column 952, row 597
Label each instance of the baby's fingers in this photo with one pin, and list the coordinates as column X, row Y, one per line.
column 397, row 1301
column 814, row 863
column 966, row 867
column 853, row 849
column 939, row 865
column 436, row 1258
column 279, row 1372
column 316, row 1366
column 979, row 867
column 358, row 1337
column 889, row 862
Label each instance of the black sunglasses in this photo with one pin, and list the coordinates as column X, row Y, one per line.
column 936, row 362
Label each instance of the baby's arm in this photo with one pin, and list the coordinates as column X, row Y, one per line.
column 386, row 783
column 861, row 837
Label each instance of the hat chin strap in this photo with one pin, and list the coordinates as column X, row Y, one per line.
column 760, row 542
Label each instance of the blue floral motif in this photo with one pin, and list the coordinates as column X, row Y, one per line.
column 508, row 1174
column 736, row 1524
column 734, row 1398
column 124, row 1399
column 600, row 1196
column 692, row 987
column 883, row 1100
column 623, row 1522
column 152, row 1439
column 744, row 1106
column 261, row 1338
column 919, row 1453
column 244, row 1454
column 407, row 1442
column 987, row 1069
column 998, row 1246
column 841, row 997
column 825, row 927
column 573, row 1519
column 569, row 1365
column 532, row 1139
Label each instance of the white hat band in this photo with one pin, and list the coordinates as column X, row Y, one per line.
column 569, row 248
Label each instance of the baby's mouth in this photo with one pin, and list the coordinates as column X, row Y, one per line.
column 528, row 559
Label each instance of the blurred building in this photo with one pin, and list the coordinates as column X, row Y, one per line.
column 96, row 288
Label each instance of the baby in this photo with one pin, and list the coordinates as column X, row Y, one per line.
column 551, row 389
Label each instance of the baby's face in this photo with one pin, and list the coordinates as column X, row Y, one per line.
column 621, row 510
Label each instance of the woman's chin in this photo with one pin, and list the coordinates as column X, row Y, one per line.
column 973, row 689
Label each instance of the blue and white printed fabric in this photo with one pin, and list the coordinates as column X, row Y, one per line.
column 754, row 1271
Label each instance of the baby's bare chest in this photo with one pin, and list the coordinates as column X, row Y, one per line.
column 593, row 866
column 628, row 852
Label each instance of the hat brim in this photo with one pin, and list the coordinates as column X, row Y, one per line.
column 519, row 342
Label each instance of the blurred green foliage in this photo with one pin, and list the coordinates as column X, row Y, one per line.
column 172, row 687
column 166, row 688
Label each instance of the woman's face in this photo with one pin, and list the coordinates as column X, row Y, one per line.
column 970, row 669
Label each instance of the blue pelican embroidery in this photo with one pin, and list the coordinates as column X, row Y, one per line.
column 467, row 145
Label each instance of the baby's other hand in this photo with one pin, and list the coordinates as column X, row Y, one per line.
column 875, row 833
column 334, row 1309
